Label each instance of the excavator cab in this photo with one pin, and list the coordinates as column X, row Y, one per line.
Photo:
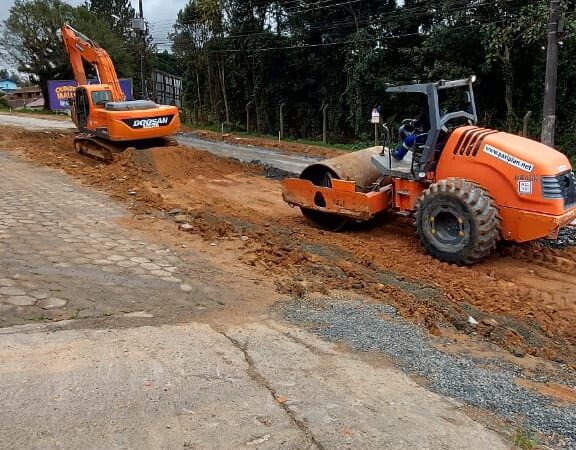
column 80, row 108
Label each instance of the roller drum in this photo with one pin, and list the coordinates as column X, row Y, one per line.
column 356, row 166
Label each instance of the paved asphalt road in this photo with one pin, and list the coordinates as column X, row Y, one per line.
column 288, row 163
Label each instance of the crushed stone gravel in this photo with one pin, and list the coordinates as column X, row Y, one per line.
column 566, row 238
column 379, row 328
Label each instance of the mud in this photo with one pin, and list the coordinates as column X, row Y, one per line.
column 522, row 298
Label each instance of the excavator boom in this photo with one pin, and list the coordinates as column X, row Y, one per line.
column 81, row 48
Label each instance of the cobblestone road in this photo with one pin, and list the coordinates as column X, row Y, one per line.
column 63, row 255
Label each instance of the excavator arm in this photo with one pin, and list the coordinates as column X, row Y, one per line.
column 81, row 48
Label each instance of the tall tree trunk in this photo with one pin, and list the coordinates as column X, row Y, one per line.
column 199, row 109
column 509, row 87
column 357, row 25
column 254, row 92
column 43, row 81
column 221, row 72
column 212, row 104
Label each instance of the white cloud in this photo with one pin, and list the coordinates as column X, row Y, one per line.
column 160, row 14
column 154, row 10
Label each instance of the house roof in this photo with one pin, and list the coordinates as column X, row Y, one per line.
column 30, row 89
column 7, row 79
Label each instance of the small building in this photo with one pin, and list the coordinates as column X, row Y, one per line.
column 35, row 104
column 19, row 98
column 7, row 85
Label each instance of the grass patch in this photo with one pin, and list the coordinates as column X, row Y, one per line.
column 240, row 133
column 525, row 440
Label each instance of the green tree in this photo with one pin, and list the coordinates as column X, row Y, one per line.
column 3, row 102
column 342, row 54
column 514, row 27
column 31, row 37
column 118, row 15
column 8, row 75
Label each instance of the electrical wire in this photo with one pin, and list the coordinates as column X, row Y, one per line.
column 345, row 42
column 396, row 15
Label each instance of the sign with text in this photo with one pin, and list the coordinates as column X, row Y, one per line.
column 61, row 91
column 375, row 116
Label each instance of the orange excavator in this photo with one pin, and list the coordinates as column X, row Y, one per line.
column 108, row 123
column 467, row 187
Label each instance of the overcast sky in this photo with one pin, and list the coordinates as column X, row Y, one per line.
column 160, row 14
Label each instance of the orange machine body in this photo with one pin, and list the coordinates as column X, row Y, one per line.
column 101, row 109
column 128, row 125
column 517, row 173
column 521, row 175
column 341, row 198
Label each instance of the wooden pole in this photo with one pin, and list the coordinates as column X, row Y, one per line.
column 549, row 116
column 248, row 115
column 324, row 124
column 525, row 124
column 281, row 135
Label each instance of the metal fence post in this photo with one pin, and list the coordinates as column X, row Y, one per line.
column 324, row 123
column 281, row 135
column 525, row 124
column 248, row 115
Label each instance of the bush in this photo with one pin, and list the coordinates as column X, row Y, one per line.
column 3, row 102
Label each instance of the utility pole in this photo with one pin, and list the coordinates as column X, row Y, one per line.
column 139, row 27
column 549, row 116
column 143, row 90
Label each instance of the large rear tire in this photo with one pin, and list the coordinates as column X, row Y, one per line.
column 457, row 221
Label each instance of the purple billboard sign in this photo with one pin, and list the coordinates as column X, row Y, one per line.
column 60, row 91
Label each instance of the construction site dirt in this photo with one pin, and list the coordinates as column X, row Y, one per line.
column 521, row 299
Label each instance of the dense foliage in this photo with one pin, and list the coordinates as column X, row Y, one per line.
column 254, row 55
column 249, row 57
column 30, row 36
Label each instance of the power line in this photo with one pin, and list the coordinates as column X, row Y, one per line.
column 295, row 10
column 330, row 44
column 397, row 15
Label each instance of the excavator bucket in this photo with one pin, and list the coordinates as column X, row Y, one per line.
column 336, row 191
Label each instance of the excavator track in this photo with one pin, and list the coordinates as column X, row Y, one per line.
column 104, row 151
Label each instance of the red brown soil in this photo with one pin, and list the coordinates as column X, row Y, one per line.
column 523, row 297
column 560, row 393
column 287, row 147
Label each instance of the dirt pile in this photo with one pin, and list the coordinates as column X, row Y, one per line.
column 522, row 298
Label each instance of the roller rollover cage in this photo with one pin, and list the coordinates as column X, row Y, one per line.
column 336, row 191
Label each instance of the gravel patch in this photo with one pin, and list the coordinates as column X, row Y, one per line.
column 378, row 328
column 566, row 238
